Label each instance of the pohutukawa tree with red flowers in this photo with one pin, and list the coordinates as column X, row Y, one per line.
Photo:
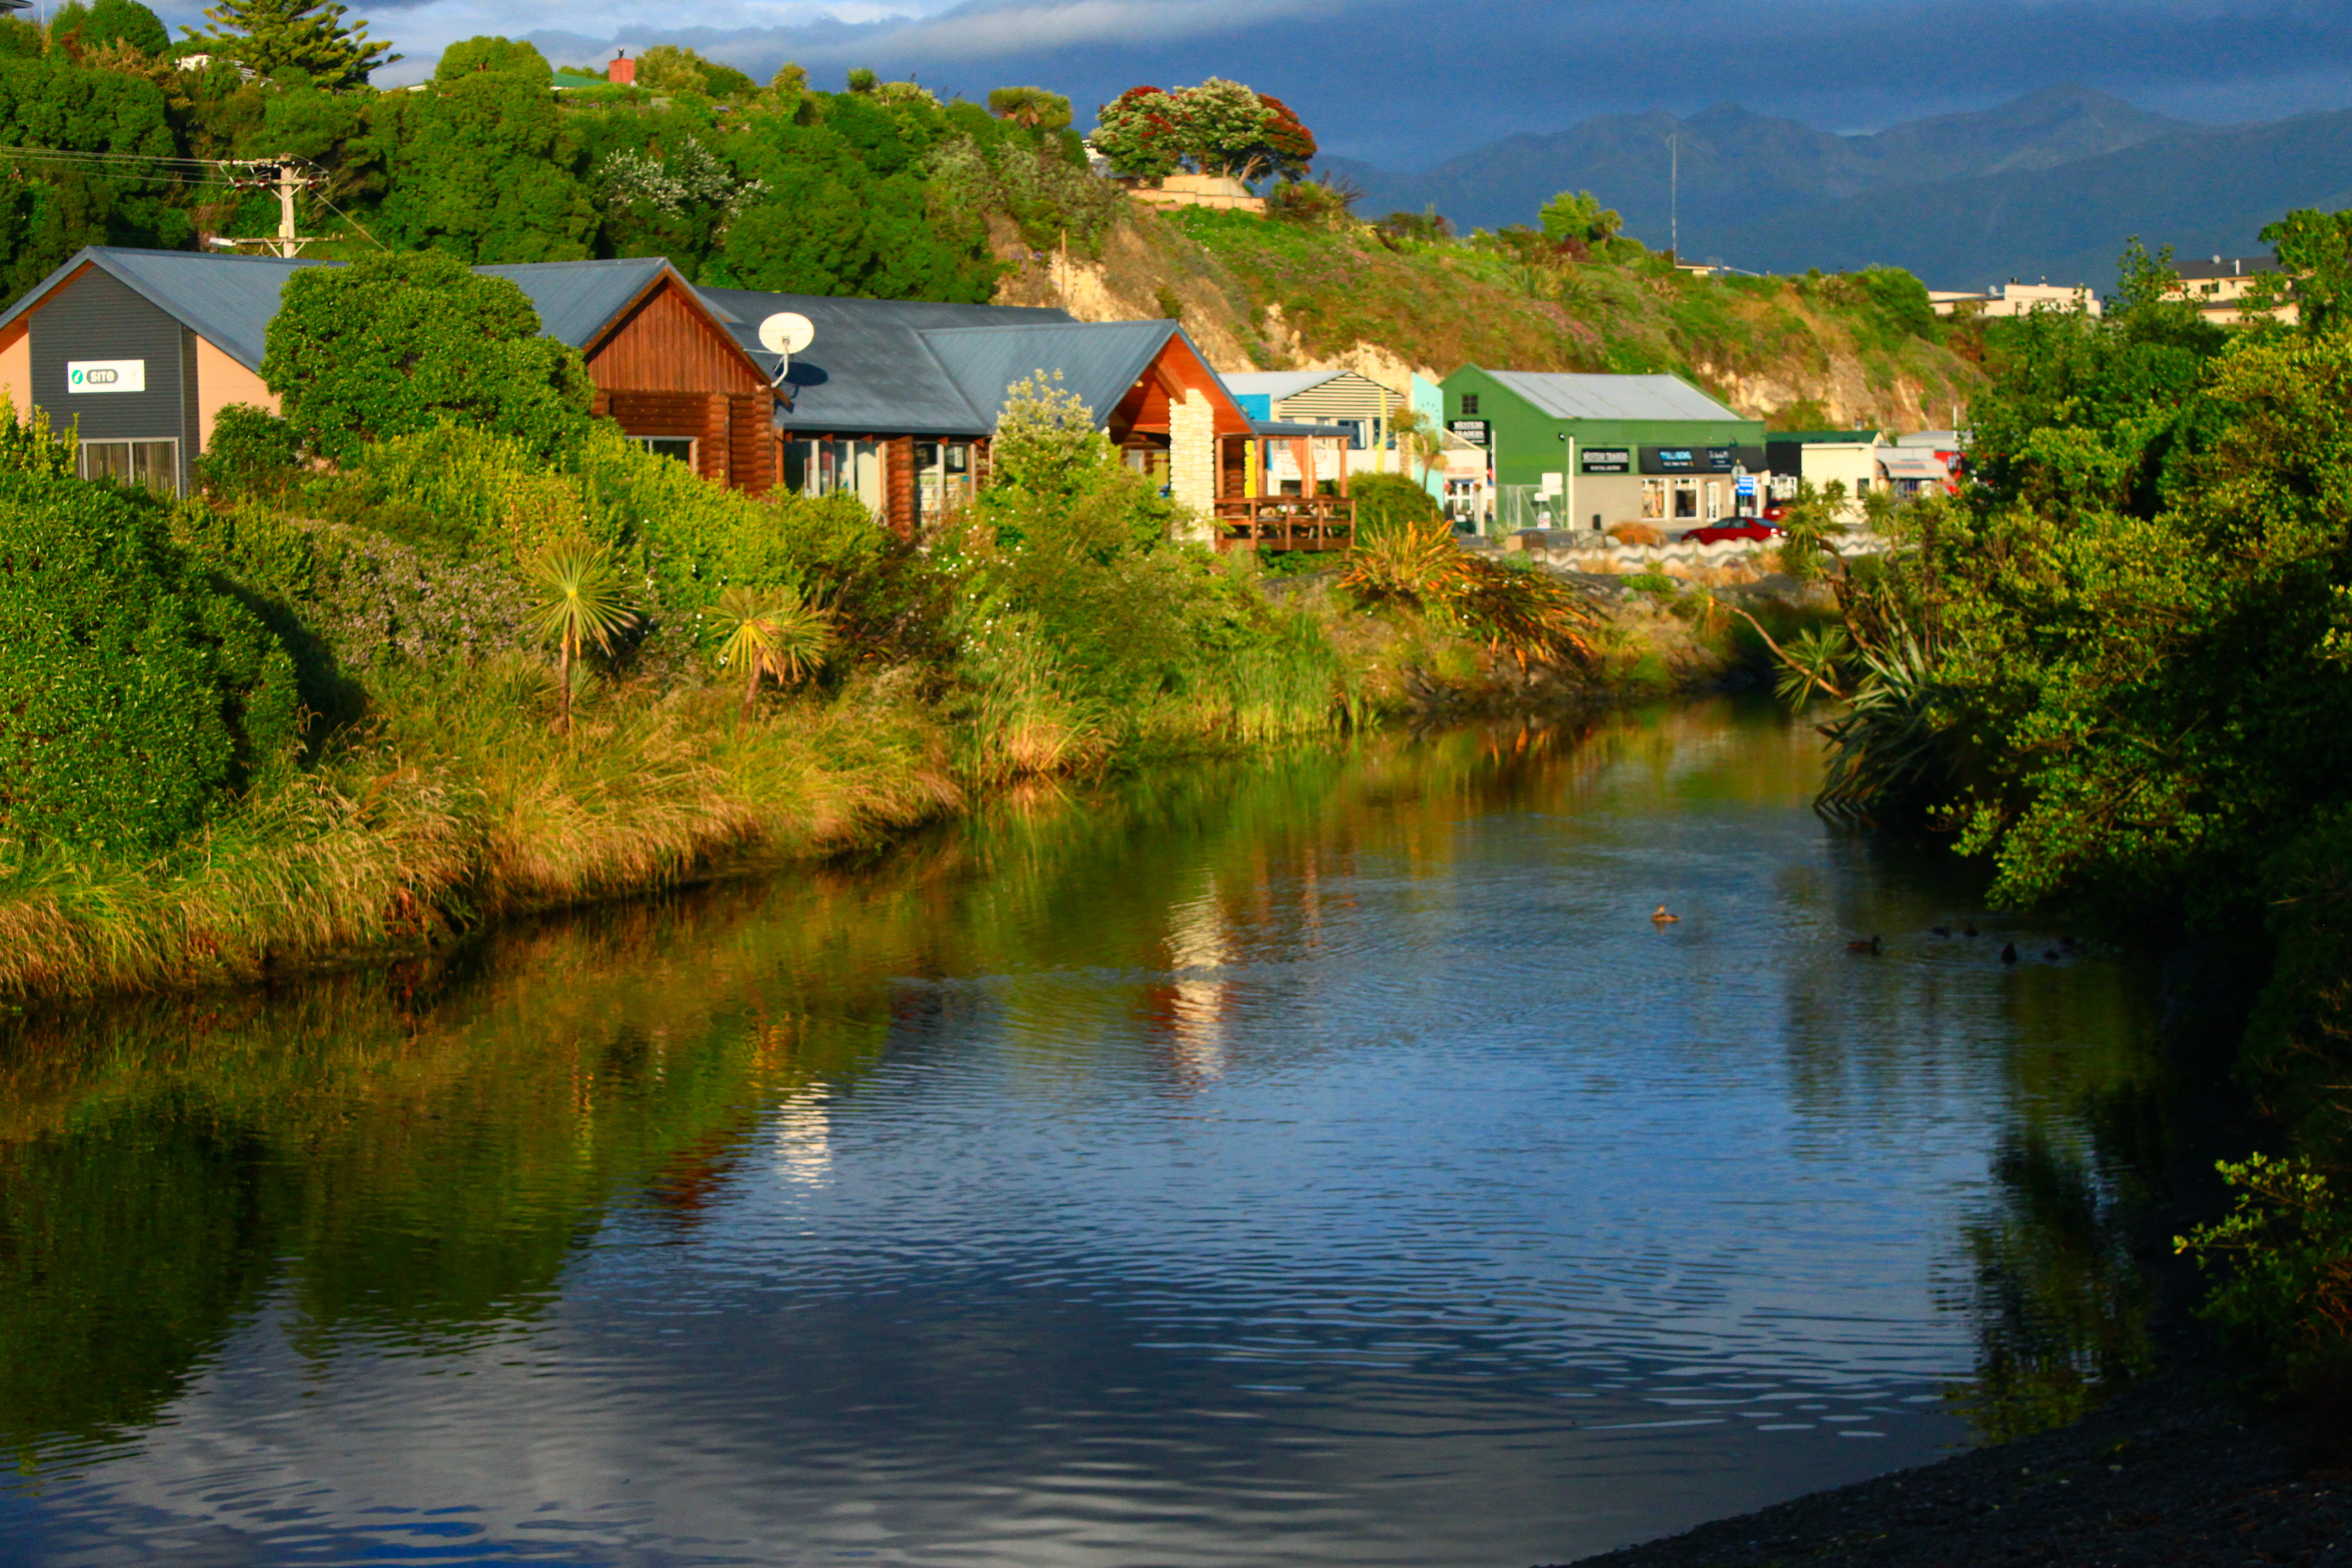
column 1219, row 127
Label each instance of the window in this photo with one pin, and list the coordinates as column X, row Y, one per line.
column 1686, row 497
column 1469, row 404
column 1653, row 498
column 678, row 447
column 1861, row 488
column 155, row 464
column 1713, row 501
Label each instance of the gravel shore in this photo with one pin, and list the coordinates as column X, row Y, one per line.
column 2168, row 1474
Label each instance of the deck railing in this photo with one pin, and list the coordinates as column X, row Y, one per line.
column 1286, row 522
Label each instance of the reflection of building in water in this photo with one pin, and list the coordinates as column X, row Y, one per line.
column 1188, row 1009
column 803, row 1147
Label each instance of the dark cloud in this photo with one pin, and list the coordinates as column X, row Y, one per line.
column 1408, row 83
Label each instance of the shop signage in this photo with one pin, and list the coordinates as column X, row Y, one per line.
column 1606, row 460
column 106, row 375
column 1478, row 430
column 1687, row 459
column 1744, row 486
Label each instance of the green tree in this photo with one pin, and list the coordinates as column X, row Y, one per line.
column 400, row 343
column 506, row 57
column 308, row 36
column 1579, row 215
column 483, row 167
column 2315, row 250
column 127, row 22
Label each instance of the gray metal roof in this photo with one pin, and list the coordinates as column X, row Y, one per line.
column 1277, row 385
column 577, row 299
column 228, row 300
column 1564, row 395
column 1099, row 361
column 869, row 366
column 1279, row 428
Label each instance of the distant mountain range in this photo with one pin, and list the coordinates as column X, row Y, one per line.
column 2050, row 185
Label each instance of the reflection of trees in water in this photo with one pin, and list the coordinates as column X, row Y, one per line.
column 410, row 1155
column 2060, row 1305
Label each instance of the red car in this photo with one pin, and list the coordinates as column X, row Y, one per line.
column 1754, row 528
column 1776, row 511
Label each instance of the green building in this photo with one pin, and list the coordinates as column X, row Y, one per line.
column 1593, row 451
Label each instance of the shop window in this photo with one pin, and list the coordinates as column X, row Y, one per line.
column 680, row 447
column 1686, row 498
column 1654, row 499
column 154, row 464
column 1713, row 501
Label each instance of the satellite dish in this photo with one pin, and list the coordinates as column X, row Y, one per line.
column 787, row 333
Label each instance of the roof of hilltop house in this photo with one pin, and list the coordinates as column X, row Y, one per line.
column 226, row 299
column 1569, row 395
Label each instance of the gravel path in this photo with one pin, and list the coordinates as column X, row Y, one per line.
column 2166, row 1474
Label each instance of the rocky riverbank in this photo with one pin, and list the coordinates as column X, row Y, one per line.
column 2173, row 1473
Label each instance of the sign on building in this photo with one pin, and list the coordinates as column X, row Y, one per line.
column 1606, row 460
column 106, row 375
column 1478, row 430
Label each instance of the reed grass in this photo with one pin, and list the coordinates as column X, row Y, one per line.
column 463, row 804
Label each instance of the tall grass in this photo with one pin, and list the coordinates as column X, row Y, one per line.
column 461, row 804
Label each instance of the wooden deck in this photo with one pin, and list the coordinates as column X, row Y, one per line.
column 1286, row 522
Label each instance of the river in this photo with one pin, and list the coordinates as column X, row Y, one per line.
column 1317, row 1159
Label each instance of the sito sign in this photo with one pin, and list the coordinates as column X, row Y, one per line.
column 1606, row 460
column 106, row 375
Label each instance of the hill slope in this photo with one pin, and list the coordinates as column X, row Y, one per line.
column 1259, row 295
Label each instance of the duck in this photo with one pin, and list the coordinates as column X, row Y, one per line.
column 1872, row 946
column 2009, row 953
column 2053, row 955
column 1662, row 918
column 1939, row 931
column 1968, row 930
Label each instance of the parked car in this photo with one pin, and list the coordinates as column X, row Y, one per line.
column 1754, row 528
column 1776, row 511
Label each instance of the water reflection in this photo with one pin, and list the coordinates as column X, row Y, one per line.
column 1320, row 1159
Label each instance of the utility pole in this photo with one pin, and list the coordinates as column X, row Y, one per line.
column 1674, row 197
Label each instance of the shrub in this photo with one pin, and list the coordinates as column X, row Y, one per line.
column 1385, row 502
column 252, row 452
column 133, row 694
column 398, row 343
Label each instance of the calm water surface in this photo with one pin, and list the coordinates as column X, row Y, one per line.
column 1317, row 1160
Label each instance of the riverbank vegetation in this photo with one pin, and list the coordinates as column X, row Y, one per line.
column 2118, row 670
column 427, row 653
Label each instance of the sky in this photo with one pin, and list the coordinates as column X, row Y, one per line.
column 1406, row 83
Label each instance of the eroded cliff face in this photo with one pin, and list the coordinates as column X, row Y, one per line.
column 1349, row 303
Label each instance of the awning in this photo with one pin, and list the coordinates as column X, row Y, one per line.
column 1915, row 468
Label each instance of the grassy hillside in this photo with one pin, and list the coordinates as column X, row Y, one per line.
column 1267, row 294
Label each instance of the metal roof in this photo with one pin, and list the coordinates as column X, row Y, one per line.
column 228, row 300
column 870, row 367
column 1573, row 397
column 1099, row 361
column 1279, row 428
column 578, row 300
column 1277, row 385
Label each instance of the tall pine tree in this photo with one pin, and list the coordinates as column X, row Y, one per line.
column 268, row 36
